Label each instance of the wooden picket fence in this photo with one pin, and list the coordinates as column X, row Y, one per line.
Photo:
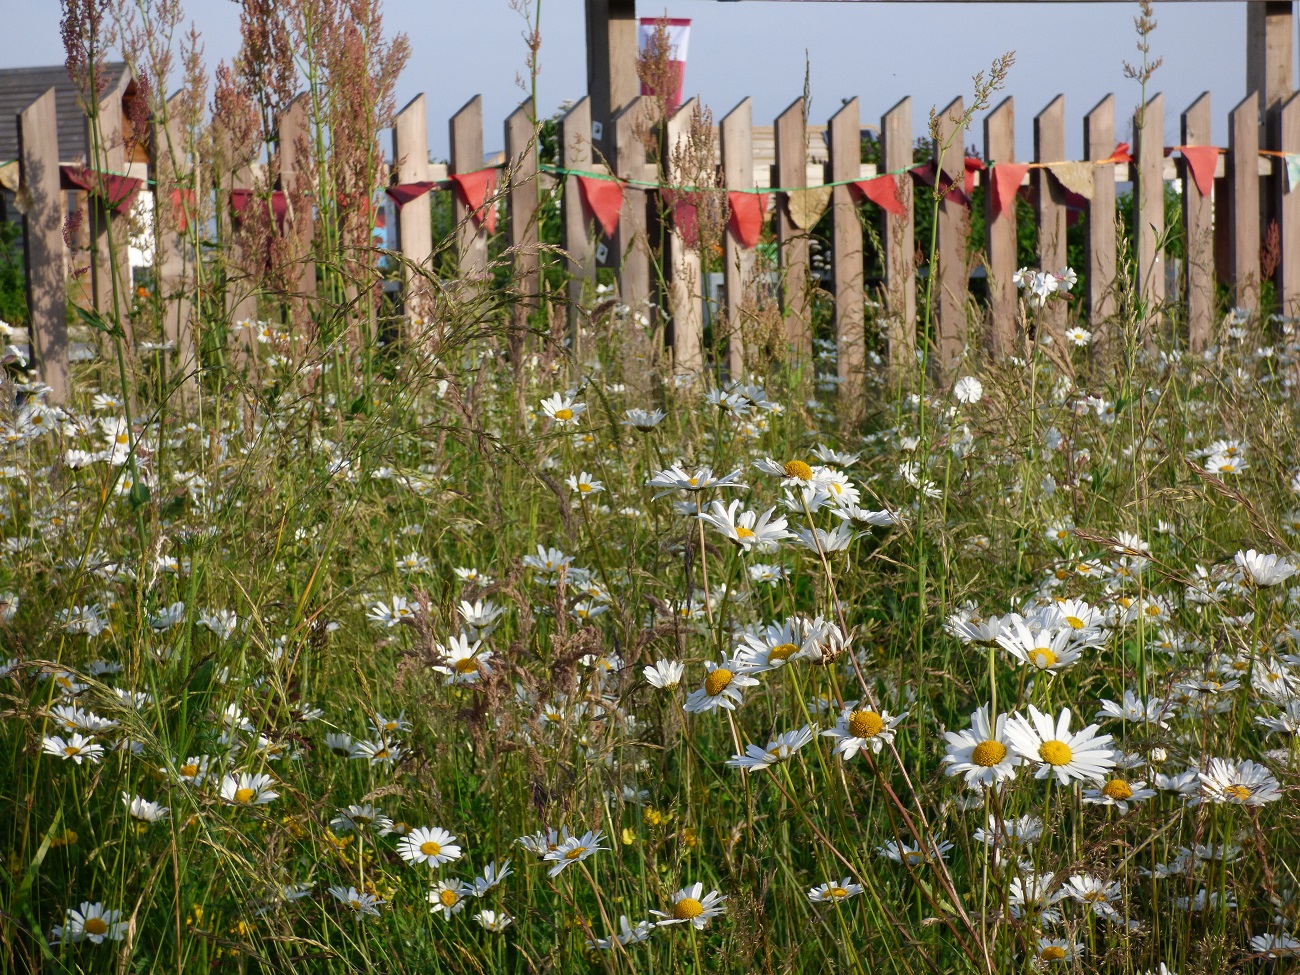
column 611, row 197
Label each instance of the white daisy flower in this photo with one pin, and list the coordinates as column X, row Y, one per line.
column 430, row 845
column 981, row 753
column 1049, row 743
column 692, row 906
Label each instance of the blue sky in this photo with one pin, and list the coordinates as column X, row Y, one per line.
column 877, row 51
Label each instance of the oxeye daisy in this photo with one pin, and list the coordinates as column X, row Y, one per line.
column 574, row 850
column 1053, row 950
column 1264, row 570
column 1118, row 792
column 1275, row 945
column 1041, row 649
column 915, row 854
column 678, row 478
column 143, row 809
column 627, row 934
column 448, row 897
column 981, row 753
column 432, row 845
column 863, row 727
column 643, row 420
column 1049, row 743
column 490, row 877
column 248, row 790
column 723, row 687
column 692, row 906
column 361, row 819
column 584, row 485
column 461, row 661
column 1096, row 894
column 1033, row 897
column 777, row 750
column 747, row 529
column 492, row 921
column 778, row 643
column 396, row 610
column 358, row 901
column 1240, row 783
column 665, row 674
column 76, row 748
column 193, row 770
column 563, row 409
column 830, row 893
column 89, row 922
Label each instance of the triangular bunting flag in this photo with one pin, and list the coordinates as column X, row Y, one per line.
column 404, row 193
column 748, row 214
column 1201, row 160
column 475, row 189
column 603, row 199
column 1121, row 155
column 1077, row 177
column 882, row 191
column 686, row 220
column 182, row 203
column 1006, row 184
column 924, row 174
column 806, row 206
column 119, row 191
column 1292, row 171
column 972, row 166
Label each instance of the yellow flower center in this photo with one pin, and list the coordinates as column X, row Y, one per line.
column 564, row 414
column 717, row 681
column 743, row 532
column 782, row 651
column 837, row 892
column 576, row 852
column 430, row 848
column 693, row 481
column 448, row 898
column 355, row 904
column 687, row 908
column 584, row 488
column 988, row 753
column 1055, row 753
column 244, row 795
column 865, row 724
column 1043, row 658
column 1117, row 789
column 95, row 926
column 1075, row 622
column 71, row 750
column 467, row 666
column 1239, row 792
column 1153, row 610
column 189, row 770
column 798, row 469
column 1052, row 953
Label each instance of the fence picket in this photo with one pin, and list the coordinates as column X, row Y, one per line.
column 1098, row 142
column 1000, row 232
column 1149, row 206
column 466, row 128
column 1198, row 224
column 631, row 243
column 1243, row 195
column 899, row 239
column 1050, row 206
column 845, row 132
column 1288, row 284
column 736, row 144
column 685, row 284
column 951, row 275
column 791, row 170
column 414, row 227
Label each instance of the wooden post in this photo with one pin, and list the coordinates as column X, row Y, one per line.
column 234, row 171
column 1099, row 143
column 791, row 171
column 521, row 157
column 685, row 287
column 845, row 132
column 1149, row 209
column 1000, row 232
column 43, row 257
column 175, row 212
column 1242, row 167
column 1270, row 33
column 110, row 268
column 612, row 81
column 631, row 245
column 467, row 157
column 575, row 153
column 950, row 284
column 300, row 223
column 1198, row 223
column 736, row 138
column 1288, row 286
column 1051, row 210
column 414, row 219
column 899, row 239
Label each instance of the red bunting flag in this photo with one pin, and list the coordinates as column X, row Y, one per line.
column 118, row 191
column 924, row 174
column 679, row 37
column 404, row 193
column 748, row 214
column 1007, row 178
column 182, row 203
column 239, row 199
column 603, row 199
column 1201, row 160
column 1120, row 155
column 972, row 166
column 882, row 191
column 686, row 219
column 475, row 189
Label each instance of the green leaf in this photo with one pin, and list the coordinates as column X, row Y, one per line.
column 139, row 494
column 99, row 323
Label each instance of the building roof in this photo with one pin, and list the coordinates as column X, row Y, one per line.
column 19, row 87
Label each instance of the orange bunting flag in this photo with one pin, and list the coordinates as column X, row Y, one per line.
column 972, row 165
column 748, row 214
column 182, row 203
column 1121, row 155
column 1006, row 184
column 1201, row 160
column 603, row 199
column 882, row 191
column 474, row 189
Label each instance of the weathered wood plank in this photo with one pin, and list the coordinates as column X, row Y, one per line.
column 1243, row 196
column 1098, row 143
column 951, row 278
column 414, row 219
column 1000, row 232
column 899, row 240
column 110, row 261
column 1270, row 38
column 521, row 158
column 846, row 250
column 575, row 150
column 1288, row 288
column 1198, row 224
column 44, row 261
column 685, row 287
column 294, row 132
column 467, row 157
column 631, row 246
column 175, row 211
column 1050, row 208
column 736, row 143
column 1149, row 209
column 792, row 242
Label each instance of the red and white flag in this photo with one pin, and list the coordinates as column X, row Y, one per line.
column 679, row 35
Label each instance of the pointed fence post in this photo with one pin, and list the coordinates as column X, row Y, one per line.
column 1288, row 291
column 521, row 158
column 1270, row 46
column 300, row 223
column 899, row 239
column 845, row 132
column 414, row 218
column 1198, row 224
column 43, row 251
column 1149, row 207
column 233, row 170
column 1098, row 143
column 110, row 268
column 1049, row 146
column 631, row 245
column 1000, row 231
column 1243, row 201
column 736, row 145
column 175, row 212
column 466, row 129
column 791, row 172
column 575, row 153
column 685, row 287
column 951, row 283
